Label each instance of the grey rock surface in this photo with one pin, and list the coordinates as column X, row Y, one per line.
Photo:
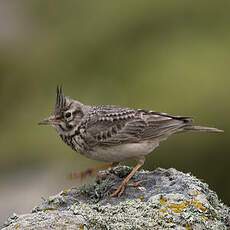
column 165, row 199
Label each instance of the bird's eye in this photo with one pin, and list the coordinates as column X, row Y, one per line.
column 68, row 115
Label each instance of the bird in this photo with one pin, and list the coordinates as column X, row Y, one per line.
column 115, row 134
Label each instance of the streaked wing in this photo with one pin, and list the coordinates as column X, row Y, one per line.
column 113, row 126
column 161, row 125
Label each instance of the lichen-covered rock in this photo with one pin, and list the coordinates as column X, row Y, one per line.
column 165, row 199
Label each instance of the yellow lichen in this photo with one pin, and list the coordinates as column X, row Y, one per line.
column 188, row 227
column 163, row 210
column 197, row 204
column 65, row 192
column 81, row 227
column 163, row 200
column 178, row 208
column 49, row 209
column 142, row 198
column 204, row 218
column 17, row 226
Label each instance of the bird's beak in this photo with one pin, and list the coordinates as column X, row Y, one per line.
column 52, row 120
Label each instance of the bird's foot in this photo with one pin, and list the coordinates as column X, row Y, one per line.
column 120, row 190
column 135, row 184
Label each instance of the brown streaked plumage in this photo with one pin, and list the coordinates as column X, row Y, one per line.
column 113, row 134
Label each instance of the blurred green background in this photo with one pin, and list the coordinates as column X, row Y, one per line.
column 170, row 56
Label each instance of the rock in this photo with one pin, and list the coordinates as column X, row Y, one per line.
column 165, row 199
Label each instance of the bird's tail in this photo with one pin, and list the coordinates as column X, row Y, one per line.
column 197, row 128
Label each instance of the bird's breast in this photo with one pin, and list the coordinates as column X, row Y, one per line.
column 113, row 153
column 76, row 142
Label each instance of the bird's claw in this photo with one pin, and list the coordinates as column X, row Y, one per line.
column 120, row 190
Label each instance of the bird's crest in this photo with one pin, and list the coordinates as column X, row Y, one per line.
column 60, row 99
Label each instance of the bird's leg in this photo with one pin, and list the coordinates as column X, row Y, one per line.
column 124, row 183
column 91, row 171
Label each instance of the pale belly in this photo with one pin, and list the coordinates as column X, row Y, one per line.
column 122, row 152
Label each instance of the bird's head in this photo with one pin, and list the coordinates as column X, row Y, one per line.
column 67, row 113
